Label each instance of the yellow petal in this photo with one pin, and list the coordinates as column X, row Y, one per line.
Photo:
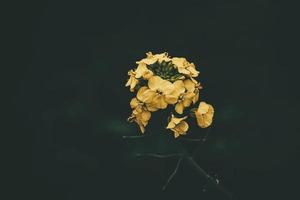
column 155, row 82
column 159, row 102
column 166, row 87
column 182, row 127
column 162, row 57
column 176, row 134
column 148, row 60
column 171, row 125
column 151, row 107
column 142, row 128
column 204, row 116
column 134, row 103
column 141, row 69
column 147, row 75
column 203, row 108
column 183, row 71
column 179, row 108
column 186, row 102
column 140, row 93
column 171, row 99
column 145, row 116
column 178, row 88
column 178, row 62
column 196, row 97
column 193, row 71
column 178, row 120
column 189, row 85
column 148, row 96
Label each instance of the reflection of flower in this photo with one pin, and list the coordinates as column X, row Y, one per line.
column 178, row 126
column 204, row 114
column 161, row 81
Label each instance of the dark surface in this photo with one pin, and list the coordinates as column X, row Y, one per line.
column 72, row 102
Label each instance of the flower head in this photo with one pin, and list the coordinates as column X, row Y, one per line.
column 163, row 82
column 178, row 126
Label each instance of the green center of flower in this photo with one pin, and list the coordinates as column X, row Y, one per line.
column 165, row 70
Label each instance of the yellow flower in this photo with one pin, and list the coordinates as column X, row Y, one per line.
column 143, row 71
column 184, row 101
column 192, row 69
column 184, row 67
column 160, row 93
column 151, row 59
column 141, row 100
column 178, row 126
column 132, row 81
column 204, row 114
column 162, row 57
column 140, row 114
column 193, row 86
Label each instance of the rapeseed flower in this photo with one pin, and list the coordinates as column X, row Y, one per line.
column 163, row 82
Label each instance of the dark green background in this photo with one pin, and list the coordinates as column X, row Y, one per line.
column 72, row 103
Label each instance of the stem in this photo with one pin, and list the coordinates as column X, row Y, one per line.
column 158, row 155
column 133, row 136
column 211, row 180
column 173, row 174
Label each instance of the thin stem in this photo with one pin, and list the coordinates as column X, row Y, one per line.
column 211, row 180
column 173, row 174
column 158, row 155
column 203, row 139
column 206, row 134
column 133, row 136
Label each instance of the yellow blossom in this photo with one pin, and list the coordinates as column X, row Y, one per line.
column 141, row 116
column 132, row 81
column 151, row 59
column 204, row 114
column 193, row 86
column 184, row 101
column 178, row 126
column 184, row 67
column 143, row 71
column 159, row 94
column 142, row 100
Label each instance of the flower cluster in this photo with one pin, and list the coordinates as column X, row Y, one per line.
column 161, row 81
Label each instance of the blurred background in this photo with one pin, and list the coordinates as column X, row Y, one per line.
column 72, row 102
